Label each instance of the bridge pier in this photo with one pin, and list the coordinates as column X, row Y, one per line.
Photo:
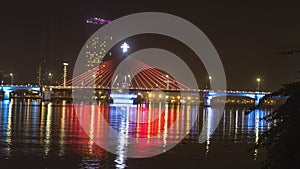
column 257, row 98
column 207, row 99
column 7, row 94
column 46, row 95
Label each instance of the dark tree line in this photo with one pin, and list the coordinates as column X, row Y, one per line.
column 282, row 140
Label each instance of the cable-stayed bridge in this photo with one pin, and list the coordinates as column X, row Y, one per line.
column 140, row 78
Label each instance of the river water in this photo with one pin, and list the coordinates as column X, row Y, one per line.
column 50, row 135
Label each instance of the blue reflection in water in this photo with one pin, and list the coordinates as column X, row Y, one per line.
column 234, row 125
column 6, row 127
column 120, row 120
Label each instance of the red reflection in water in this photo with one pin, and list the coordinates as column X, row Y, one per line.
column 153, row 126
column 74, row 135
column 142, row 124
column 143, row 128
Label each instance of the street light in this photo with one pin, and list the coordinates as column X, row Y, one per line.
column 209, row 77
column 50, row 77
column 12, row 78
column 258, row 81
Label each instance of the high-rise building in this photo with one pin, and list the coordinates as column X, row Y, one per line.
column 96, row 47
column 42, row 73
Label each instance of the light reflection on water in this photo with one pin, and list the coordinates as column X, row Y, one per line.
column 51, row 129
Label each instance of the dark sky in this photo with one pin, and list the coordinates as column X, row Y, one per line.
column 252, row 38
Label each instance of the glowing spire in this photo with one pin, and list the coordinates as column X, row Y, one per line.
column 125, row 47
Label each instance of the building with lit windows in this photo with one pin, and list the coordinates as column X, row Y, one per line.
column 96, row 47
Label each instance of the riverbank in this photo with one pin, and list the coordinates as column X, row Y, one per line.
column 182, row 156
column 193, row 156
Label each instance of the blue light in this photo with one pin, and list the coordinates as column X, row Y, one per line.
column 114, row 95
column 8, row 89
column 253, row 95
column 123, row 98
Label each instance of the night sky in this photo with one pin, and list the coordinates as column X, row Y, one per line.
column 253, row 39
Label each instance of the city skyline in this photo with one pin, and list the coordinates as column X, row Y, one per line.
column 253, row 41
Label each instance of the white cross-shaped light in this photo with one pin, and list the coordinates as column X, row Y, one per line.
column 125, row 47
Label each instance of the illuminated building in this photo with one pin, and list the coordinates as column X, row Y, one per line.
column 42, row 73
column 96, row 47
